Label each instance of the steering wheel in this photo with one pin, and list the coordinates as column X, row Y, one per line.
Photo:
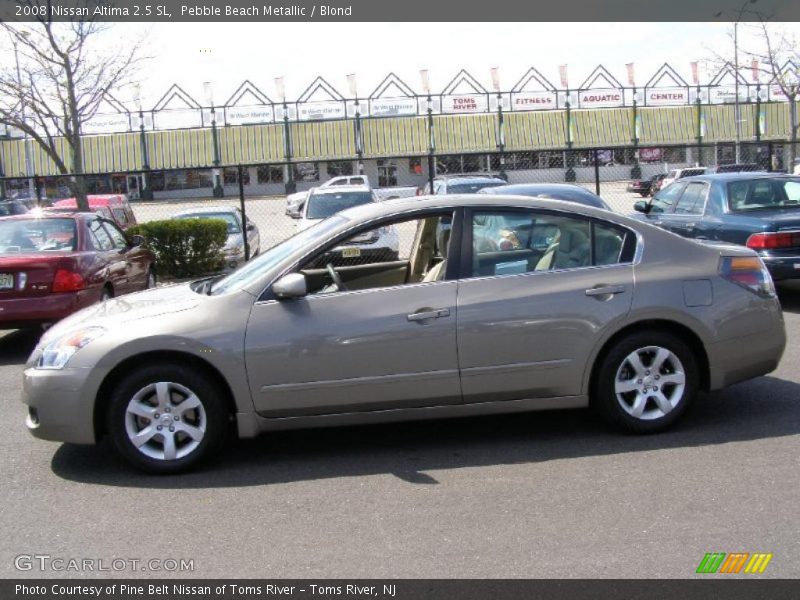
column 337, row 279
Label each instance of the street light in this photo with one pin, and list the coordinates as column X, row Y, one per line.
column 501, row 142
column 280, row 88
column 426, row 88
column 28, row 166
column 351, row 84
column 737, row 108
column 145, row 191
column 208, row 89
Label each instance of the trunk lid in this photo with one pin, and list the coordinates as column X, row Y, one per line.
column 29, row 275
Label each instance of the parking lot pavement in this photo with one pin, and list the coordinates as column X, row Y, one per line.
column 541, row 495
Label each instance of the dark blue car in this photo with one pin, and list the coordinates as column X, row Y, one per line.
column 757, row 210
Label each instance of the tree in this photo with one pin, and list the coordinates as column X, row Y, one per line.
column 778, row 58
column 62, row 73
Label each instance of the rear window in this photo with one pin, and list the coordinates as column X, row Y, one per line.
column 37, row 235
column 322, row 206
column 760, row 194
column 473, row 187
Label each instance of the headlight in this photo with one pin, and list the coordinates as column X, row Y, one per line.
column 56, row 354
column 233, row 251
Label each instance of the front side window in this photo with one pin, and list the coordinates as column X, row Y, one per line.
column 692, row 201
column 664, row 200
column 387, row 255
column 117, row 237
column 101, row 240
column 516, row 242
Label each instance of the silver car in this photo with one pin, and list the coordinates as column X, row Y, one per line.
column 582, row 307
column 233, row 252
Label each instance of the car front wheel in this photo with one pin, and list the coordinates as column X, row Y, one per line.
column 646, row 382
column 166, row 418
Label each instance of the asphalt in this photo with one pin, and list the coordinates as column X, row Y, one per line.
column 553, row 494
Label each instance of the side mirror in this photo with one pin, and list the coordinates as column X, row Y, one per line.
column 295, row 215
column 290, row 286
column 251, row 227
column 137, row 240
column 642, row 206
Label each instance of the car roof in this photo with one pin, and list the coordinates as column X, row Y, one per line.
column 449, row 201
column 469, row 178
column 92, row 199
column 48, row 215
column 200, row 210
column 339, row 189
column 738, row 176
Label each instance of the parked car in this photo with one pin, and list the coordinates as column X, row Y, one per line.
column 449, row 330
column 462, row 184
column 643, row 186
column 656, row 183
column 233, row 250
column 322, row 203
column 294, row 202
column 760, row 211
column 676, row 174
column 54, row 265
column 13, row 207
column 115, row 207
column 556, row 191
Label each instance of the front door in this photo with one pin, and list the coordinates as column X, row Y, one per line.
column 385, row 338
column 539, row 293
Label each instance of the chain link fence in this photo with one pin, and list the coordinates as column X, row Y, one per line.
column 621, row 176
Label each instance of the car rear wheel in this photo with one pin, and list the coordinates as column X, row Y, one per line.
column 646, row 382
column 166, row 418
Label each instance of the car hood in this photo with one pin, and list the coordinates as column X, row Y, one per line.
column 121, row 311
column 306, row 223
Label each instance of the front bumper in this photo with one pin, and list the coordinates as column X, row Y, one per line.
column 60, row 408
column 25, row 312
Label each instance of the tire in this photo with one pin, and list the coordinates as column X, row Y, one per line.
column 619, row 392
column 136, row 411
column 150, row 281
column 106, row 294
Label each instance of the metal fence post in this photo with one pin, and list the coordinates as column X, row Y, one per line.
column 596, row 172
column 240, row 177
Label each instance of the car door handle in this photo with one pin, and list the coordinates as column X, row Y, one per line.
column 424, row 315
column 605, row 290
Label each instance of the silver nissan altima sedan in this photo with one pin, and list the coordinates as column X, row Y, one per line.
column 494, row 304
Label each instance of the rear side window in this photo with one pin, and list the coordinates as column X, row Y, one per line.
column 692, row 201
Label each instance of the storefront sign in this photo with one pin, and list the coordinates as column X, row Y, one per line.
column 650, row 154
column 245, row 115
column 600, row 98
column 177, row 119
column 110, row 123
column 464, row 103
column 776, row 94
column 392, row 107
column 312, row 111
column 533, row 100
column 726, row 94
column 666, row 96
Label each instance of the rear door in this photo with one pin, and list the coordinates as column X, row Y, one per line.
column 531, row 310
column 136, row 258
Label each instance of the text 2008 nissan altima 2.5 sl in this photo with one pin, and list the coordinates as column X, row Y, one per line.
column 493, row 304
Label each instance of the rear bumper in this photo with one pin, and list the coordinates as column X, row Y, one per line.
column 638, row 189
column 782, row 267
column 25, row 312
column 746, row 357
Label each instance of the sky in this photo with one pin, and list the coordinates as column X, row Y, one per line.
column 229, row 53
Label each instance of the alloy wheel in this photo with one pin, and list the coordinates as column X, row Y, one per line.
column 650, row 383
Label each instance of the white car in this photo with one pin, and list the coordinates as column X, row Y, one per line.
column 234, row 245
column 380, row 244
column 676, row 174
column 294, row 202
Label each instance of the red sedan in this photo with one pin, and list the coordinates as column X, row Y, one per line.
column 53, row 265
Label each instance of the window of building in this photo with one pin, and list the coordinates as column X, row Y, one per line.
column 339, row 167
column 308, row 171
column 230, row 175
column 269, row 174
column 387, row 173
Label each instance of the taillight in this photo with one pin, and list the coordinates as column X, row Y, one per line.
column 748, row 272
column 771, row 240
column 67, row 281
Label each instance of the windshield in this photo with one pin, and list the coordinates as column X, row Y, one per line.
column 322, row 206
column 230, row 219
column 256, row 268
column 472, row 187
column 37, row 235
column 758, row 194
